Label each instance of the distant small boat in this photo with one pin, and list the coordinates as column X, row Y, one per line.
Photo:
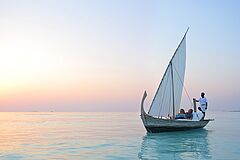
column 166, row 102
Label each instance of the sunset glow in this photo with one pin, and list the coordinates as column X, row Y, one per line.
column 92, row 56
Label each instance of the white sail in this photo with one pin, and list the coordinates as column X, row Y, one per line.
column 168, row 96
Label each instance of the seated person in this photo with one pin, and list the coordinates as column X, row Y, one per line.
column 189, row 114
column 181, row 114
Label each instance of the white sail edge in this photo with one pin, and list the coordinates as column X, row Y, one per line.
column 155, row 111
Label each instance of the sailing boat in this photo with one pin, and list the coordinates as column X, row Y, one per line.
column 166, row 102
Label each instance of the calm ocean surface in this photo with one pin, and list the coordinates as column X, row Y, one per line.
column 82, row 135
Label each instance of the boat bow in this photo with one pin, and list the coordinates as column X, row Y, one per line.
column 143, row 99
column 143, row 113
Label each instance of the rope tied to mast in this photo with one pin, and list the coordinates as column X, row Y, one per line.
column 183, row 85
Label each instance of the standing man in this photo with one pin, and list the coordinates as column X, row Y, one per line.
column 202, row 104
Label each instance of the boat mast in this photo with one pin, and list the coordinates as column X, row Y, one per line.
column 172, row 90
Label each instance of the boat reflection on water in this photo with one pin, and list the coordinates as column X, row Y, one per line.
column 176, row 145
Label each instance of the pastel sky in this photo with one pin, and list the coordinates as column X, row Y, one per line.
column 100, row 55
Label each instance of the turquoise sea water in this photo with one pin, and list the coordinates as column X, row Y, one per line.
column 38, row 135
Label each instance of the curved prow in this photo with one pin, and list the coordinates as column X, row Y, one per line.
column 143, row 99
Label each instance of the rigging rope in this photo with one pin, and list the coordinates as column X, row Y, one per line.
column 183, row 86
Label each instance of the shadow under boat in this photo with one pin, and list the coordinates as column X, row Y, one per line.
column 192, row 144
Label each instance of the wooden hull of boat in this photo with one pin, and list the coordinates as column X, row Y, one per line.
column 167, row 129
column 155, row 125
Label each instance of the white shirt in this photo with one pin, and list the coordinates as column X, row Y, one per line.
column 203, row 103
